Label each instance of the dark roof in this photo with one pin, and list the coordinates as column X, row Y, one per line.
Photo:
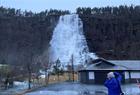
column 102, row 64
column 101, row 60
column 130, row 64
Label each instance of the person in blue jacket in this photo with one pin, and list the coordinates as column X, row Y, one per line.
column 113, row 83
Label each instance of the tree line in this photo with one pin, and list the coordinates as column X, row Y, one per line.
column 111, row 32
column 24, row 36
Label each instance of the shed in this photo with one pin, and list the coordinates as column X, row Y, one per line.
column 95, row 72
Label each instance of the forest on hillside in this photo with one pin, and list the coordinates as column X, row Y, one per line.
column 111, row 32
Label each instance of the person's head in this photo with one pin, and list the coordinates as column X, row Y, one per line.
column 110, row 75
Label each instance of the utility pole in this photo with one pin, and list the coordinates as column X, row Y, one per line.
column 47, row 66
column 72, row 67
column 69, row 71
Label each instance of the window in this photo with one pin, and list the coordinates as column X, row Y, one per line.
column 91, row 75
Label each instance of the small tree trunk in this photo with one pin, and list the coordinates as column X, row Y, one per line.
column 69, row 75
column 29, row 76
column 58, row 77
column 46, row 77
column 29, row 80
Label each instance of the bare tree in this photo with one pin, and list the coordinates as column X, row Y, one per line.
column 29, row 69
column 46, row 64
column 28, row 55
column 69, row 71
column 57, row 68
column 47, row 67
column 72, row 66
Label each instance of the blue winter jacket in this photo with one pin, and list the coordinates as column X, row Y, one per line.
column 113, row 84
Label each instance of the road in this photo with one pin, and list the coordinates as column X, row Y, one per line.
column 67, row 88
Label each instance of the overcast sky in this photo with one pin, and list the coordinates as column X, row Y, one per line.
column 41, row 5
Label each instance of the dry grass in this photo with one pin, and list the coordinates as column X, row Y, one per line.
column 54, row 79
column 65, row 77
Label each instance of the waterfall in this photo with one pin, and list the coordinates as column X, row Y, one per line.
column 68, row 40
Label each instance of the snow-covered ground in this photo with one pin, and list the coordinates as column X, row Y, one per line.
column 54, row 93
column 18, row 87
column 21, row 85
column 82, row 89
column 69, row 88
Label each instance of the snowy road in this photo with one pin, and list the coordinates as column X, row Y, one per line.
column 67, row 88
column 82, row 89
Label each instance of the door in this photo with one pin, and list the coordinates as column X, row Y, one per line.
column 100, row 76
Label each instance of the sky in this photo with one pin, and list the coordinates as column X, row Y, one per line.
column 41, row 5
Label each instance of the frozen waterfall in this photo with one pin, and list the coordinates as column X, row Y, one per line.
column 68, row 40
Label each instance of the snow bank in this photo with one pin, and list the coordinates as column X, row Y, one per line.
column 17, row 83
column 20, row 85
column 42, row 76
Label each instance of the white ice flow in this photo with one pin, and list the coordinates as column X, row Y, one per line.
column 68, row 40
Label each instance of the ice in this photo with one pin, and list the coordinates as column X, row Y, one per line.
column 20, row 85
column 17, row 88
column 68, row 39
column 53, row 93
column 66, row 88
column 131, row 89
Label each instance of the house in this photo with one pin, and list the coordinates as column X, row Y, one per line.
column 95, row 72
